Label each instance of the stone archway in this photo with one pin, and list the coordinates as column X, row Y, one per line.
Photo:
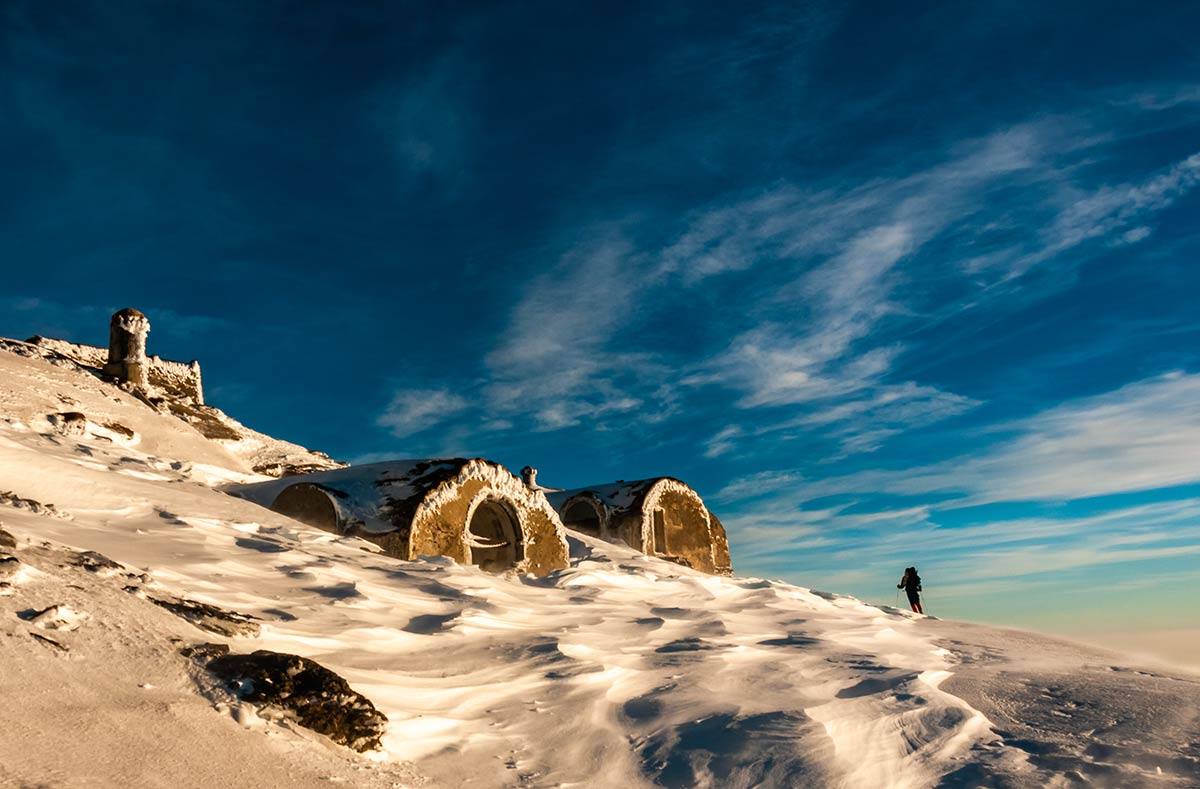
column 494, row 539
column 309, row 504
column 583, row 515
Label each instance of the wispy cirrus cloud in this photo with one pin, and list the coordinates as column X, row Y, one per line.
column 415, row 410
column 819, row 348
column 1140, row 437
column 756, row 485
column 557, row 363
column 839, row 256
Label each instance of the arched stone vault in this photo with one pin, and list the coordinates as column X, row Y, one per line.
column 418, row 508
column 660, row 516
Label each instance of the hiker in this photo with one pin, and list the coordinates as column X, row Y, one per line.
column 910, row 582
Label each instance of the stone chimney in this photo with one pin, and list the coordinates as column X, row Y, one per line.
column 529, row 475
column 127, row 360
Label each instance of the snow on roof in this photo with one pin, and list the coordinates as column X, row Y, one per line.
column 621, row 496
column 380, row 496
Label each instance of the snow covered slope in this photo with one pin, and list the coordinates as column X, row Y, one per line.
column 620, row 671
column 229, row 444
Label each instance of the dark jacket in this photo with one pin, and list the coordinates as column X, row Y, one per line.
column 911, row 583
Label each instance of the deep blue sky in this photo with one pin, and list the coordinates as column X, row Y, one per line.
column 888, row 283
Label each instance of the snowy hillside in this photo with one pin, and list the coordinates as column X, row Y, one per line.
column 236, row 446
column 620, row 671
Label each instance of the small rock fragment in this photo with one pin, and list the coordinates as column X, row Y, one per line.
column 56, row 617
column 120, row 429
column 205, row 652
column 69, row 423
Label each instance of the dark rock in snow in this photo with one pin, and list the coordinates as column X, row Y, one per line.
column 7, row 540
column 9, row 566
column 120, row 429
column 205, row 652
column 318, row 698
column 96, row 563
column 209, row 617
column 36, row 507
column 69, row 423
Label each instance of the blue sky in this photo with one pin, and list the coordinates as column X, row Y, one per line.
column 888, row 284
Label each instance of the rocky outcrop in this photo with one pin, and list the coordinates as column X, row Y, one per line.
column 303, row 690
column 9, row 565
column 30, row 505
column 168, row 387
column 209, row 617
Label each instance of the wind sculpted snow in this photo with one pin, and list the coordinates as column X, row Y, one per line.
column 621, row 670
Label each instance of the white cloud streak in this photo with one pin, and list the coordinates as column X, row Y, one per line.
column 415, row 410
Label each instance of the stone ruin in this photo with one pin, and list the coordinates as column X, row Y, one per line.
column 126, row 361
column 660, row 516
column 469, row 509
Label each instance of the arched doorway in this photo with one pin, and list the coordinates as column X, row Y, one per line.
column 583, row 516
column 309, row 504
column 494, row 536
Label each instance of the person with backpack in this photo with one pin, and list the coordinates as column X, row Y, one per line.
column 910, row 582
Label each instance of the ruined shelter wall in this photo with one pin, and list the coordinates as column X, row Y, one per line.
column 89, row 355
column 722, row 564
column 439, row 525
column 687, row 527
column 629, row 527
column 545, row 543
column 176, row 378
column 394, row 544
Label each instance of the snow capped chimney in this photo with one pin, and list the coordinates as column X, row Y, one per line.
column 529, row 475
column 127, row 347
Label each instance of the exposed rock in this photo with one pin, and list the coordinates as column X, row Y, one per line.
column 69, row 423
column 120, row 429
column 7, row 540
column 317, row 698
column 205, row 652
column 56, row 617
column 209, row 617
column 9, row 566
column 96, row 563
column 36, row 507
column 285, row 469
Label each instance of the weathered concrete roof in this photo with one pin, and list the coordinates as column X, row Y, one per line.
column 620, row 497
column 380, row 496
